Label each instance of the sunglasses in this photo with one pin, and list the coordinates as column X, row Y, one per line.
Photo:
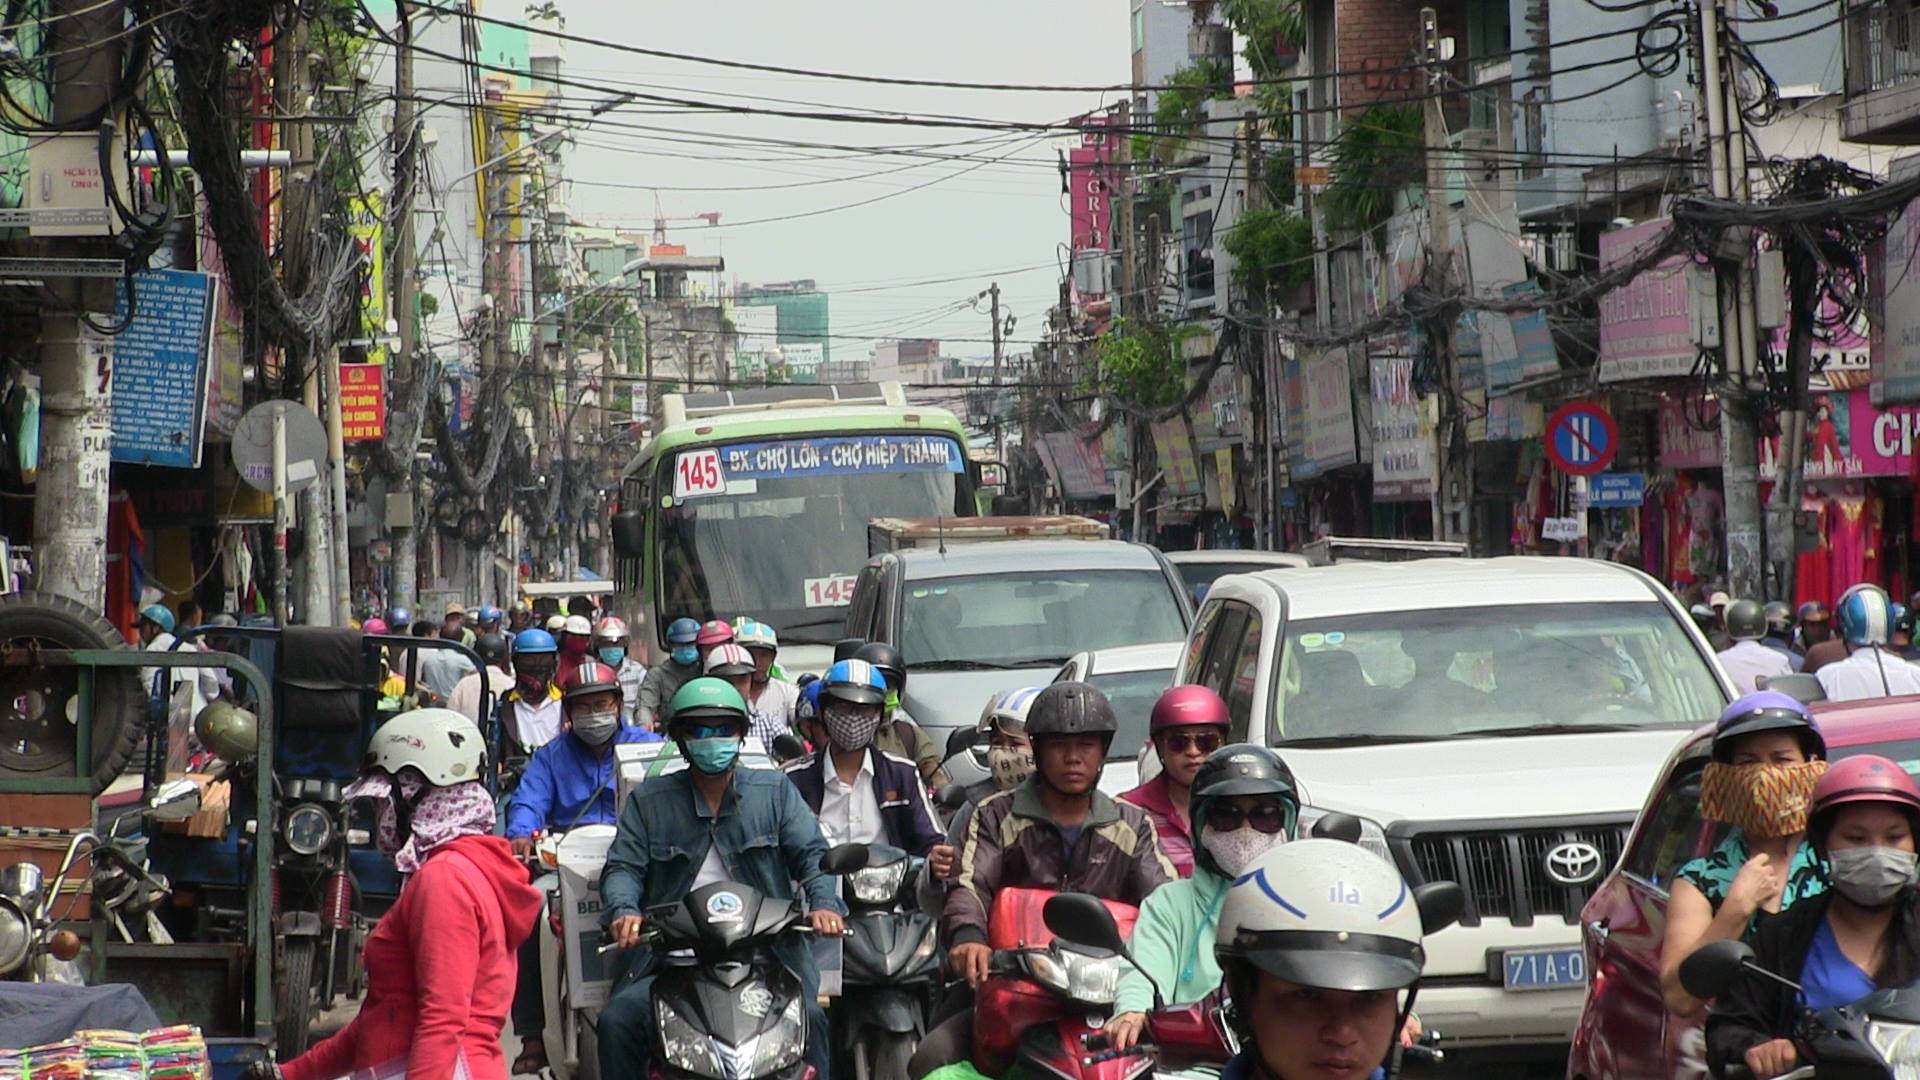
column 1206, row 742
column 713, row 731
column 1266, row 817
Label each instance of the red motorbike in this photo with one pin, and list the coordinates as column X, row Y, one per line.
column 1045, row 996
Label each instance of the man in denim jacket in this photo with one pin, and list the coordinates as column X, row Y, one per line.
column 711, row 822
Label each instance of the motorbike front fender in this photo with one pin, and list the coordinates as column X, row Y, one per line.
column 297, row 924
column 884, row 1008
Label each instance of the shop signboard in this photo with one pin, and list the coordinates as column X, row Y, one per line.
column 1174, row 445
column 1893, row 305
column 160, row 367
column 1689, row 434
column 1847, row 436
column 1646, row 325
column 1328, row 390
column 1217, row 416
column 1076, row 464
column 1532, row 339
column 1293, row 415
column 367, row 226
column 1402, row 427
column 226, row 371
column 363, row 402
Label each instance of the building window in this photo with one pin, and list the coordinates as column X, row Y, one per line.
column 1139, row 28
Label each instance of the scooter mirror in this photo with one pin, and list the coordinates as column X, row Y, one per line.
column 1083, row 920
column 1713, row 967
column 1334, row 825
column 961, row 741
column 786, row 748
column 176, row 800
column 1799, row 686
column 1441, row 904
column 844, row 859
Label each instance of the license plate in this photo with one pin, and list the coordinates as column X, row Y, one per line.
column 1543, row 969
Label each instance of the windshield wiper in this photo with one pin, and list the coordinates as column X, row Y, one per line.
column 981, row 665
column 1542, row 729
column 1357, row 739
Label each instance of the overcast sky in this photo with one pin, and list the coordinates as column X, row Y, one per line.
column 968, row 224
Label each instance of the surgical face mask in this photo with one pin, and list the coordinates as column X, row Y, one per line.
column 595, row 728
column 851, row 728
column 1010, row 765
column 686, row 655
column 1871, row 876
column 1234, row 851
column 713, row 756
column 613, row 655
column 1760, row 799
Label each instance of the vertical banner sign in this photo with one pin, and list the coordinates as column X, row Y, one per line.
column 1402, row 436
column 363, row 402
column 160, row 368
column 1893, row 307
column 368, row 230
column 1173, row 443
column 1646, row 325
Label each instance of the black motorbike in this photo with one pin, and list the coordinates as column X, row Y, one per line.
column 724, row 1006
column 318, row 924
column 1874, row 1038
column 891, row 958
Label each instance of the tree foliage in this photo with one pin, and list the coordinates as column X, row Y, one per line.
column 1272, row 249
column 1139, row 363
column 1375, row 155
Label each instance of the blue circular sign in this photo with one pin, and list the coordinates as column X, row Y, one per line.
column 1582, row 439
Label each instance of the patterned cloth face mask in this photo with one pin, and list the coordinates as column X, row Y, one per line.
column 1761, row 799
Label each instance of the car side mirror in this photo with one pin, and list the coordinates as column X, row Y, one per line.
column 1336, row 826
column 630, row 534
column 1083, row 920
column 843, row 859
column 1801, row 687
column 961, row 741
column 1441, row 904
column 1713, row 967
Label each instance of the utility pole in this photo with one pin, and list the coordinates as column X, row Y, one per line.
column 999, row 428
column 1727, row 176
column 337, row 480
column 1260, row 436
column 1452, row 477
column 495, row 339
column 76, row 430
column 407, row 362
column 293, row 92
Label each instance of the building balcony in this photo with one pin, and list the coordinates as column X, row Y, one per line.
column 1881, row 102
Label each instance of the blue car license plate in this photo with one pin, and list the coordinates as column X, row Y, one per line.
column 1543, row 969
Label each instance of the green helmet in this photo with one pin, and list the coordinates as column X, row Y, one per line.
column 707, row 698
column 229, row 731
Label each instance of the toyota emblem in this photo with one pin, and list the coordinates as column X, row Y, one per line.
column 1574, row 863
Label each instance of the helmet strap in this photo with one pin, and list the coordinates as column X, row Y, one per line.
column 1394, row 1050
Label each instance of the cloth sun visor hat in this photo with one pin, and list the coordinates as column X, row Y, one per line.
column 1766, row 710
column 443, row 745
column 1325, row 914
column 683, row 631
column 158, row 615
column 713, row 632
column 729, row 659
column 610, row 629
column 855, row 681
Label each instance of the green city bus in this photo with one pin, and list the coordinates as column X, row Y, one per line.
column 756, row 503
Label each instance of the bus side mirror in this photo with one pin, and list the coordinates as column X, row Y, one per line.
column 629, row 535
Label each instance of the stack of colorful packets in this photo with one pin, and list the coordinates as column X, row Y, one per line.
column 65, row 1060
column 112, row 1055
column 175, row 1053
column 13, row 1064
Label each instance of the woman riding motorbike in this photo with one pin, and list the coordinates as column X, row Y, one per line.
column 1840, row 946
column 440, row 963
column 1767, row 756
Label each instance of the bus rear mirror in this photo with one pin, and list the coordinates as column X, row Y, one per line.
column 629, row 535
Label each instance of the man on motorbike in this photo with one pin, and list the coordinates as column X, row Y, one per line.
column 1188, row 724
column 610, row 641
column 497, row 674
column 1870, row 669
column 710, row 822
column 862, row 794
column 1009, row 762
column 665, row 679
column 530, row 713
column 570, row 782
column 899, row 734
column 772, row 699
column 713, row 634
column 576, row 645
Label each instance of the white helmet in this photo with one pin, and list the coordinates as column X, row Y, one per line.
column 756, row 635
column 556, row 624
column 611, row 629
column 1007, row 711
column 577, row 624
column 1322, row 913
column 442, row 744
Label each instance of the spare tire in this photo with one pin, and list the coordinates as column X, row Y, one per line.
column 39, row 704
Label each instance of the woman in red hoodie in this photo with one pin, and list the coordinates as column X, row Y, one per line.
column 441, row 962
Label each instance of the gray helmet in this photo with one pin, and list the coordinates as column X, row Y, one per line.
column 1071, row 708
column 1779, row 618
column 491, row 647
column 1746, row 620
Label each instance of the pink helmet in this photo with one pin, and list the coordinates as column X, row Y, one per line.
column 1862, row 778
column 714, row 632
column 375, row 625
column 1188, row 706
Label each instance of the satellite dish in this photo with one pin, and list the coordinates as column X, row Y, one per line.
column 253, row 446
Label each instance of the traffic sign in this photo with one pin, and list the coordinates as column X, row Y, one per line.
column 253, row 446
column 1618, row 489
column 1582, row 438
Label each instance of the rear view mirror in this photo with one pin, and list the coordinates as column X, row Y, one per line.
column 630, row 534
column 1713, row 968
column 1441, row 904
column 785, row 748
column 961, row 741
column 1801, row 687
column 1083, row 920
column 1334, row 825
column 844, row 859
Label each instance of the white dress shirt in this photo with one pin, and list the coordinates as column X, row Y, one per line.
column 1868, row 673
column 1746, row 661
column 849, row 813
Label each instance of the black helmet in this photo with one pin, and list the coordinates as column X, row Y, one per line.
column 1779, row 617
column 491, row 647
column 1071, row 708
column 1746, row 620
column 846, row 647
column 1240, row 769
column 888, row 661
column 1814, row 611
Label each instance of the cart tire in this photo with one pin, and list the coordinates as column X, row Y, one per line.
column 294, row 1022
column 47, row 621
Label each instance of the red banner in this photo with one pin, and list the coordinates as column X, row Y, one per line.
column 363, row 402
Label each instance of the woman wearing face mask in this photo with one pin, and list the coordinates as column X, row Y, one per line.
column 440, row 963
column 1767, row 756
column 1861, row 935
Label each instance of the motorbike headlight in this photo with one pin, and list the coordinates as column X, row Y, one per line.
column 878, row 884
column 1899, row 1044
column 309, row 829
column 780, row 1048
column 16, row 937
column 685, row 1047
column 1047, row 970
column 929, row 944
column 1094, row 980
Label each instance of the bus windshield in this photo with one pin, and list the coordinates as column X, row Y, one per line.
column 783, row 549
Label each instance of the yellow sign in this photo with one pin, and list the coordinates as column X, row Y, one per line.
column 369, row 231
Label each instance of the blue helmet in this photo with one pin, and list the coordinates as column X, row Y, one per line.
column 158, row 615
column 489, row 613
column 857, row 681
column 809, row 705
column 399, row 617
column 1767, row 710
column 1866, row 616
column 527, row 642
column 682, row 631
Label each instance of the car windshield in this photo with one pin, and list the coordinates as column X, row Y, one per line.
column 1036, row 619
column 1133, row 694
column 1490, row 671
column 784, row 550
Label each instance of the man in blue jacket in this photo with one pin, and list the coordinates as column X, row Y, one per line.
column 710, row 822
column 570, row 781
column 862, row 795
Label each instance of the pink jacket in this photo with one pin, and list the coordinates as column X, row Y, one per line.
column 440, row 970
column 1175, row 842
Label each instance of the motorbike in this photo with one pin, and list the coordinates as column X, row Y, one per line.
column 317, row 922
column 577, row 979
column 1874, row 1038
column 891, row 958
column 725, row 1007
column 35, row 947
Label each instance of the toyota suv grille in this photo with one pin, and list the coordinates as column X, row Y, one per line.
column 1505, row 872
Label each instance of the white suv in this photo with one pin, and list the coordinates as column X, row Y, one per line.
column 1495, row 722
